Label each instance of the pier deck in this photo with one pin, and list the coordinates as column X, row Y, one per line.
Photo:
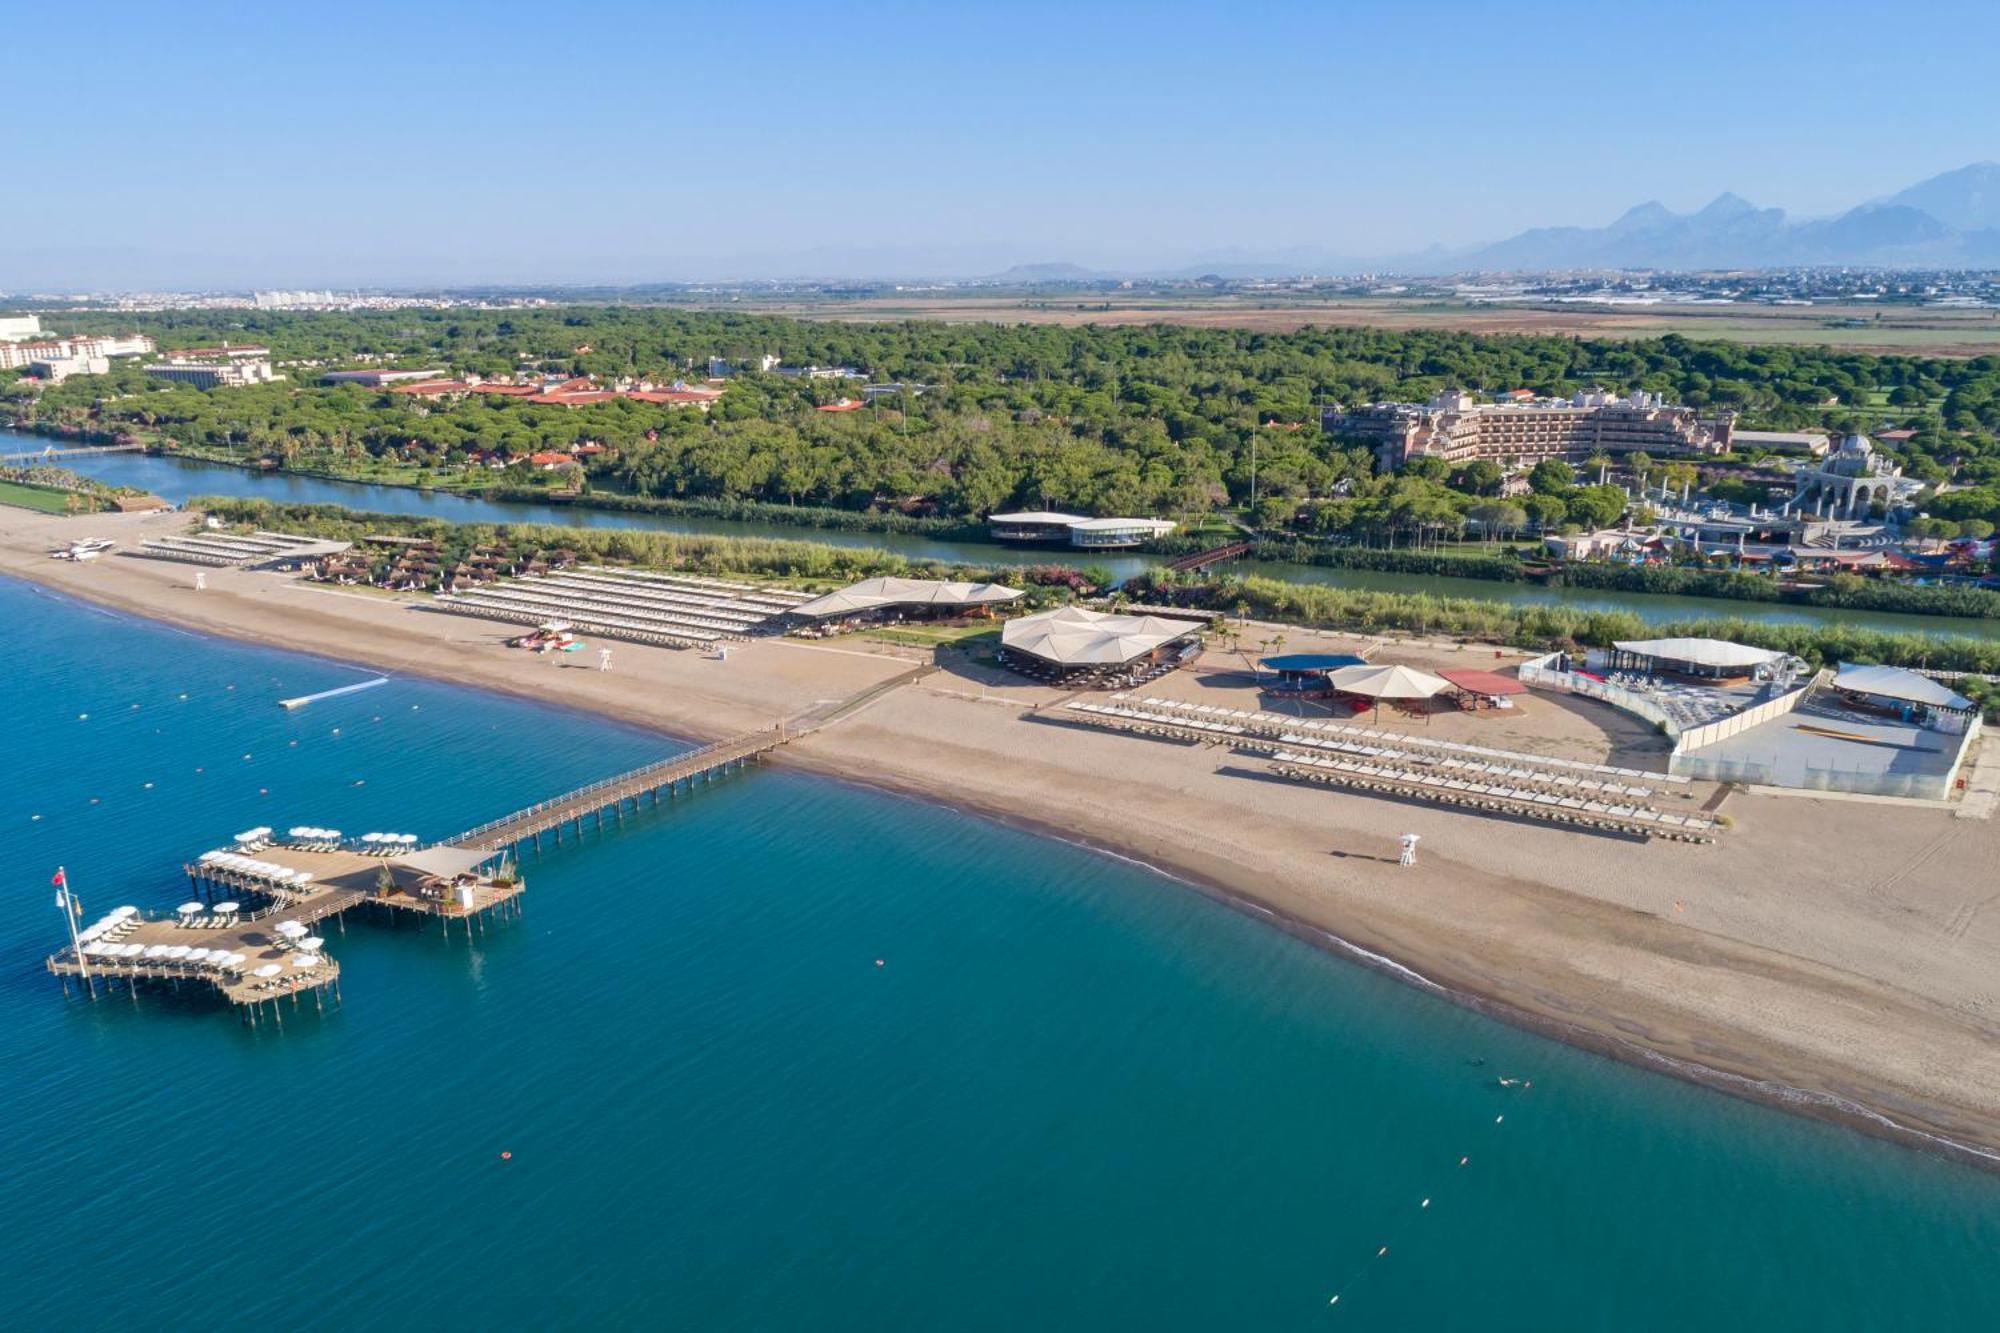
column 282, row 884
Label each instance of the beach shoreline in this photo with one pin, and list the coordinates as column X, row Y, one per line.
column 1595, row 974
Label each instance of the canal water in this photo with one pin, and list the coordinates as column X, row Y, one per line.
column 176, row 479
column 793, row 1054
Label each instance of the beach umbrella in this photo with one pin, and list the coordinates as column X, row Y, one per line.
column 195, row 956
column 305, row 960
column 157, row 950
column 122, row 912
column 179, row 951
column 302, row 877
column 98, row 948
column 268, row 970
column 210, row 858
column 290, row 929
column 229, row 907
column 312, row 942
column 190, row 909
column 371, row 837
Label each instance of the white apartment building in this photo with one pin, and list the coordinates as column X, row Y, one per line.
column 14, row 328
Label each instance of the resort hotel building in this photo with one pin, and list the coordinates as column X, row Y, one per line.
column 1460, row 428
column 216, row 367
column 1044, row 528
column 1852, row 482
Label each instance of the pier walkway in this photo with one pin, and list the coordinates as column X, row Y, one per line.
column 611, row 795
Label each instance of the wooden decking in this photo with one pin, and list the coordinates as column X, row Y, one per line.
column 611, row 795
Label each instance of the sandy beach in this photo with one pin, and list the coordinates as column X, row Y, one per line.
column 1838, row 957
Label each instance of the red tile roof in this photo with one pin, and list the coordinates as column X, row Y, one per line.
column 844, row 405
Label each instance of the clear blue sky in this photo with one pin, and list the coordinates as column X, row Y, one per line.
column 363, row 143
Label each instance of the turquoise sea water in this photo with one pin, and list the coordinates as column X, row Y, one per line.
column 1074, row 1094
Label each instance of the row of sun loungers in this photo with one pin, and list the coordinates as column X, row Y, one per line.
column 230, row 548
column 571, row 605
column 1279, row 724
column 491, row 608
column 774, row 599
column 1392, row 779
column 1476, row 770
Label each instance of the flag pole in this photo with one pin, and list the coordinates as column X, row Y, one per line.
column 67, row 901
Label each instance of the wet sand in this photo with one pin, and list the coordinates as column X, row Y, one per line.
column 1837, row 957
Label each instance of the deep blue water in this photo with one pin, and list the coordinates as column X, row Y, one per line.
column 1074, row 1094
column 177, row 479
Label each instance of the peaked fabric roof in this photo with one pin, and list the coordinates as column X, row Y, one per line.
column 1388, row 682
column 1077, row 636
column 873, row 594
column 1700, row 652
column 1887, row 682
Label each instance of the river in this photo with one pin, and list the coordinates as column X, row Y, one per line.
column 177, row 478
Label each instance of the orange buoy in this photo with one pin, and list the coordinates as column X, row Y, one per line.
column 506, row 1157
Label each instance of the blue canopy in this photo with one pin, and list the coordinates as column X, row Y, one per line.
column 1292, row 662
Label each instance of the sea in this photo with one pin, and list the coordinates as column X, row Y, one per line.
column 797, row 1054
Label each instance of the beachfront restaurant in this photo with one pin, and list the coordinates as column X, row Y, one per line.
column 890, row 600
column 1075, row 646
column 1907, row 695
column 1699, row 659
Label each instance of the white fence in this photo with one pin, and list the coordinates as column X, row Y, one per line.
column 1538, row 674
column 1723, row 728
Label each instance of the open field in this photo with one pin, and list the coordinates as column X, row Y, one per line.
column 1861, row 327
column 42, row 498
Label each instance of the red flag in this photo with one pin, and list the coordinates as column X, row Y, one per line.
column 59, row 879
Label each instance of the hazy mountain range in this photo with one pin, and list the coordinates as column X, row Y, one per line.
column 1948, row 221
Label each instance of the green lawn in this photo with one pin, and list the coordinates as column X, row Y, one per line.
column 47, row 499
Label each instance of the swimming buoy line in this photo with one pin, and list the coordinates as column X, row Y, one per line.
column 1394, row 1232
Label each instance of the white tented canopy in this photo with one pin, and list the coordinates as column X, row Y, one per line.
column 1387, row 682
column 1887, row 682
column 875, row 594
column 1077, row 636
column 1700, row 652
column 441, row 862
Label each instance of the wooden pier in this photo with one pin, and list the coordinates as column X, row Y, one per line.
column 610, row 797
column 244, row 943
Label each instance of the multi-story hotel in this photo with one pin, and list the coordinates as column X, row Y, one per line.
column 83, row 347
column 216, row 367
column 1523, row 430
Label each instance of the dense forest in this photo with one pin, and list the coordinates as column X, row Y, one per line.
column 1156, row 419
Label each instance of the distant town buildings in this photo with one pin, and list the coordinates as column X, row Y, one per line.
column 294, row 300
column 1458, row 427
column 226, row 366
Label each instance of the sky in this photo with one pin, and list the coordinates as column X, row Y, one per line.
column 230, row 145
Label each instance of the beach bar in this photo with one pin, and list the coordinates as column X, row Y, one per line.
column 1076, row 646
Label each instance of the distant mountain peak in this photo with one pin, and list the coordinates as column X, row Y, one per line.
column 1644, row 216
column 1726, row 205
